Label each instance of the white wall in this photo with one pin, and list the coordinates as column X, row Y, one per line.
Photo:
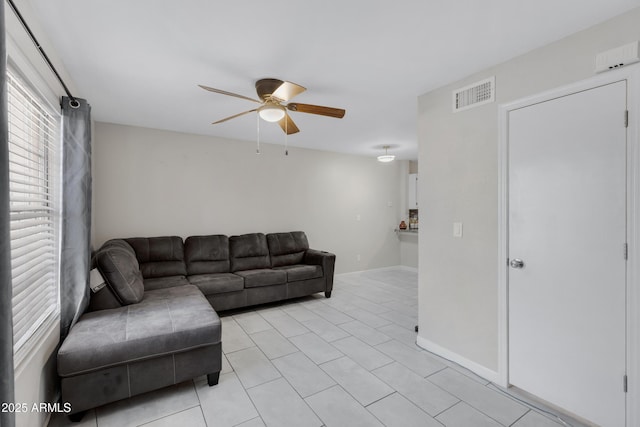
column 153, row 183
column 458, row 163
column 36, row 377
column 409, row 249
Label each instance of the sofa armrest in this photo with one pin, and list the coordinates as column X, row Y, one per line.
column 324, row 259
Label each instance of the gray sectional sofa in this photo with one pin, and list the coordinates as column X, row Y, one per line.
column 155, row 324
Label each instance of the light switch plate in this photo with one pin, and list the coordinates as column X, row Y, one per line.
column 457, row 229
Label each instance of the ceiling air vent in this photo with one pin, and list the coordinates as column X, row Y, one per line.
column 474, row 95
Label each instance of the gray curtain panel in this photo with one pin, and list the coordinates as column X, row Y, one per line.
column 76, row 212
column 7, row 419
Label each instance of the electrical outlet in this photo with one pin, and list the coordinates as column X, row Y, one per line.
column 457, row 229
column 358, row 257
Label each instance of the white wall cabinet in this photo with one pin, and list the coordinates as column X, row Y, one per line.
column 412, row 191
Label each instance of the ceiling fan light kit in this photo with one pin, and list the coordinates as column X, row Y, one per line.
column 386, row 157
column 273, row 93
column 271, row 112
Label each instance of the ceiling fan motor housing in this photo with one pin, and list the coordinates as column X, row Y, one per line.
column 266, row 87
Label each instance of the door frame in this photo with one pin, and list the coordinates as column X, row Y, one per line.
column 632, row 75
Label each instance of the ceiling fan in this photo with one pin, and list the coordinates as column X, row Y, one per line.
column 273, row 93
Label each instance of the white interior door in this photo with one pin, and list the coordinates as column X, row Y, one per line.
column 567, row 223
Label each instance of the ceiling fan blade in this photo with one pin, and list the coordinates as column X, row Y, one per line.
column 287, row 125
column 224, row 92
column 234, row 116
column 338, row 113
column 287, row 90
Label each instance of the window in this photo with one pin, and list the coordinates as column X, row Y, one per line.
column 34, row 177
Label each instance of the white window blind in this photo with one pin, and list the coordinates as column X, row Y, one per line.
column 34, row 177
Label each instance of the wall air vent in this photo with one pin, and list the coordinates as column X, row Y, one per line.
column 474, row 95
column 618, row 57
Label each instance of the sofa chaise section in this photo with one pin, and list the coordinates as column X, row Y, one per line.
column 172, row 335
column 142, row 341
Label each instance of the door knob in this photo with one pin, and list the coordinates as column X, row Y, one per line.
column 516, row 263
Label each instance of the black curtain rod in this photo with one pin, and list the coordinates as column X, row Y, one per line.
column 74, row 102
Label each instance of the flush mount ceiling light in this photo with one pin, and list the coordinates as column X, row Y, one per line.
column 271, row 112
column 386, row 157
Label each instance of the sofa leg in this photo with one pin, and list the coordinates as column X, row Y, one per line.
column 327, row 294
column 77, row 417
column 212, row 379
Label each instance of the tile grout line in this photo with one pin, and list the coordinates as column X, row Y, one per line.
column 516, row 421
column 450, row 407
column 294, row 389
column 352, row 396
column 200, row 402
column 172, row 414
column 473, row 406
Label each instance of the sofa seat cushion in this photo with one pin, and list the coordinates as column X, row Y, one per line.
column 301, row 272
column 217, row 283
column 262, row 277
column 164, row 282
column 165, row 322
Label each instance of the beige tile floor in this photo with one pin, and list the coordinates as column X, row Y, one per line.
column 346, row 361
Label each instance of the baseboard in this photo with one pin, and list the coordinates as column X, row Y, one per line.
column 474, row 367
column 407, row 268
column 393, row 267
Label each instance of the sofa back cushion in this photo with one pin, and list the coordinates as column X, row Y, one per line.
column 287, row 248
column 249, row 252
column 119, row 267
column 159, row 256
column 207, row 254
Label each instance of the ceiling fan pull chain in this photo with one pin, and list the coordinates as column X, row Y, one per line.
column 258, row 138
column 286, row 135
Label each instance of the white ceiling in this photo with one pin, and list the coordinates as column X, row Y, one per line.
column 139, row 62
